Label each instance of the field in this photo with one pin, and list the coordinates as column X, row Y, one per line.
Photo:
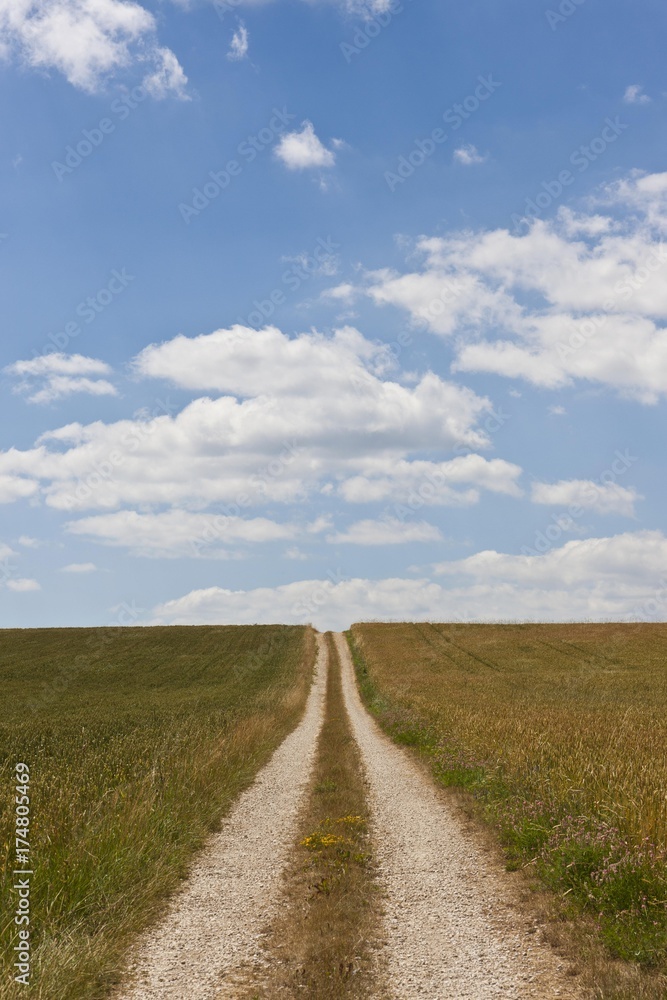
column 137, row 742
column 560, row 734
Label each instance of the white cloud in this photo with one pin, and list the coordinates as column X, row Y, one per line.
column 60, row 386
column 603, row 498
column 345, row 292
column 620, row 578
column 634, row 94
column 433, row 482
column 14, row 488
column 177, row 533
column 303, row 150
column 623, row 562
column 294, row 552
column 30, row 543
column 59, row 364
column 5, row 552
column 387, row 531
column 61, row 375
column 167, row 76
column 366, row 9
column 239, row 45
column 248, row 362
column 88, row 567
column 87, row 41
column 299, row 416
column 22, row 585
column 468, row 155
column 579, row 297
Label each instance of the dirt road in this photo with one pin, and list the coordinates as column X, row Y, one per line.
column 451, row 933
column 451, row 929
column 212, row 929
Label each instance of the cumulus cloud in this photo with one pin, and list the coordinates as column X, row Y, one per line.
column 603, row 498
column 619, row 578
column 303, row 150
column 29, row 543
column 455, row 483
column 82, row 568
column 88, row 41
column 248, row 362
column 49, row 377
column 177, row 533
column 240, row 43
column 386, row 531
column 297, row 416
column 16, row 488
column 468, row 155
column 22, row 585
column 579, row 297
column 630, row 561
column 634, row 94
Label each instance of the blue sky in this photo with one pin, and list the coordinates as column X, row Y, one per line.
column 321, row 311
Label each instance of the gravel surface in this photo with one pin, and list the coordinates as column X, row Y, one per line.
column 451, row 931
column 213, row 928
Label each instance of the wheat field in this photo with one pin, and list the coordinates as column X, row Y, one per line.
column 137, row 742
column 560, row 733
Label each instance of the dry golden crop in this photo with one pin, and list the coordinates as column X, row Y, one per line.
column 137, row 741
column 561, row 732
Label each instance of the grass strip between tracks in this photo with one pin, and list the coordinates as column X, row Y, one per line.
column 323, row 946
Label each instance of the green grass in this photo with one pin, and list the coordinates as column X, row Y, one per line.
column 560, row 734
column 138, row 740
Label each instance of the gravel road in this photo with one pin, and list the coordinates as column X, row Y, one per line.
column 451, row 932
column 212, row 929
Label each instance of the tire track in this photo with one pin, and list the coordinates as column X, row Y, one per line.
column 212, row 929
column 451, row 932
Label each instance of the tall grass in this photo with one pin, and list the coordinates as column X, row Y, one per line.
column 560, row 732
column 137, row 740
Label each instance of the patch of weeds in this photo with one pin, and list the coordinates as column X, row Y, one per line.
column 326, row 787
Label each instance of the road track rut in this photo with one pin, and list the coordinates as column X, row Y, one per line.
column 450, row 929
column 212, row 930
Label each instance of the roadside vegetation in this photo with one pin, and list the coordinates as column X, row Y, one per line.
column 138, row 740
column 324, row 944
column 559, row 735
